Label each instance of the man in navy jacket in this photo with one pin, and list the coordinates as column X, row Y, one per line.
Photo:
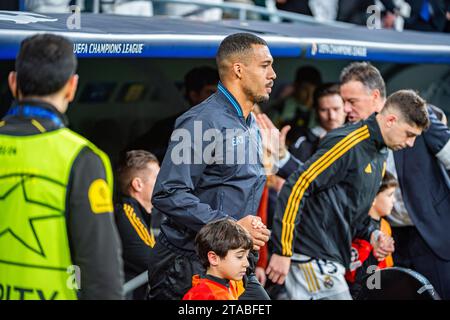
column 212, row 169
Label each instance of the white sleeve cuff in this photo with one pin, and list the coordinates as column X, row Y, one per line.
column 283, row 161
column 376, row 236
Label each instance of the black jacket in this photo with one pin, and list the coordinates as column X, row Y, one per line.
column 325, row 203
column 305, row 143
column 206, row 186
column 134, row 225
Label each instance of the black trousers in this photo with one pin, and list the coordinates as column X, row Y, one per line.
column 170, row 274
column 412, row 252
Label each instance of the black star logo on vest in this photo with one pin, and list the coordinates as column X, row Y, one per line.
column 34, row 206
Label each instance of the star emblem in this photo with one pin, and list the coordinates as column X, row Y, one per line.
column 31, row 207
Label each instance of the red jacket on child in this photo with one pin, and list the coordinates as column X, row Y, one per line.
column 212, row 288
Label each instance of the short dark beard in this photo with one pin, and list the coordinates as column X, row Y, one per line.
column 255, row 99
column 261, row 99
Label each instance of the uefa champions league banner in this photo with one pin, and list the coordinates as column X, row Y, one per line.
column 96, row 36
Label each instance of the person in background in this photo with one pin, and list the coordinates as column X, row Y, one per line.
column 357, row 12
column 300, row 7
column 136, row 176
column 329, row 109
column 296, row 109
column 48, row 6
column 428, row 15
column 199, row 84
column 362, row 250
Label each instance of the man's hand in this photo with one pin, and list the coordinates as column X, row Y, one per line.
column 261, row 275
column 383, row 246
column 278, row 268
column 274, row 140
column 258, row 230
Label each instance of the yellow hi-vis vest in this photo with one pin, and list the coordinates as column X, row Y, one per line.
column 35, row 259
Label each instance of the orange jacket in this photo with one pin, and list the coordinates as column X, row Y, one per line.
column 206, row 289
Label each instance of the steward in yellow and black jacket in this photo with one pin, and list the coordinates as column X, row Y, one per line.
column 325, row 203
column 58, row 239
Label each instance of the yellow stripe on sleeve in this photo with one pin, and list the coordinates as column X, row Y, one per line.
column 137, row 225
column 308, row 176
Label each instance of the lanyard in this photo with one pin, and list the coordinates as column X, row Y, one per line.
column 34, row 111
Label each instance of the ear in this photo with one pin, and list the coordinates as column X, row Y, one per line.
column 376, row 94
column 376, row 97
column 193, row 96
column 71, row 88
column 237, row 70
column 12, row 82
column 213, row 258
column 136, row 184
column 391, row 119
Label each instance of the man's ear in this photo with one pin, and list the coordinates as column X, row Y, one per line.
column 376, row 98
column 391, row 119
column 71, row 88
column 213, row 258
column 237, row 70
column 12, row 82
column 136, row 184
column 376, row 94
column 193, row 96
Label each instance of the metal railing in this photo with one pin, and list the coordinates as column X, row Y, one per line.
column 243, row 11
column 135, row 283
